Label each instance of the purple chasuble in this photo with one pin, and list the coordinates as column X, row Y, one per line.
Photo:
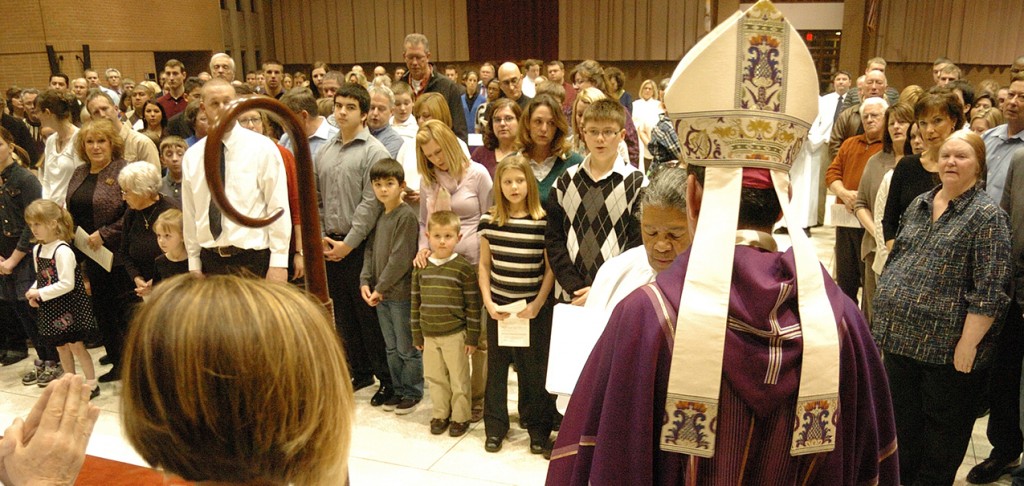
column 610, row 432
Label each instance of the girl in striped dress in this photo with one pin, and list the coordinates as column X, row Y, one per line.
column 513, row 267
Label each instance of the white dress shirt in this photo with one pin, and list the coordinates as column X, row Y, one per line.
column 58, row 167
column 254, row 183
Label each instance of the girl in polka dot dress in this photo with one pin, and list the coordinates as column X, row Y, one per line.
column 65, row 313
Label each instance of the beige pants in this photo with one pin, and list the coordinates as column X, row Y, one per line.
column 479, row 372
column 446, row 370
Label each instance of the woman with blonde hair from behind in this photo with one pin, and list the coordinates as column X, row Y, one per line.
column 237, row 381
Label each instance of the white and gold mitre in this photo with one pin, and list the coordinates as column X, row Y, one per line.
column 746, row 94
column 744, row 97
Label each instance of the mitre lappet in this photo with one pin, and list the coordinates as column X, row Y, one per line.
column 742, row 101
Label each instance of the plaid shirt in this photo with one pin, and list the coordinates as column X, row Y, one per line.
column 938, row 272
column 664, row 144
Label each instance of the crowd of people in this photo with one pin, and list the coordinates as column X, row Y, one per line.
column 444, row 263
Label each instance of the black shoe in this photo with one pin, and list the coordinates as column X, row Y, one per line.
column 438, row 426
column 358, row 384
column 95, row 392
column 990, row 470
column 556, row 422
column 493, row 444
column 112, row 375
column 538, row 446
column 384, row 393
column 105, row 359
column 93, row 344
column 10, row 357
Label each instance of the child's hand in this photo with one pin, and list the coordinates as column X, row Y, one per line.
column 365, row 293
column 33, row 303
column 32, row 294
column 375, row 298
column 419, row 347
column 470, row 350
column 531, row 310
column 493, row 312
column 580, row 296
column 411, row 196
column 143, row 287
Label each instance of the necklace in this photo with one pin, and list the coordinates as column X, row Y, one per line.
column 145, row 217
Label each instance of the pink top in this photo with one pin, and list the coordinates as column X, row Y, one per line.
column 470, row 198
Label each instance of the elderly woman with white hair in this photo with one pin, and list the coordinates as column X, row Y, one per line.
column 140, row 187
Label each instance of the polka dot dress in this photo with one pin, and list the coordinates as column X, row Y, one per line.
column 68, row 318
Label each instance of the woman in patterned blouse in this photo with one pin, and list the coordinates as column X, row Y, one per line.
column 942, row 291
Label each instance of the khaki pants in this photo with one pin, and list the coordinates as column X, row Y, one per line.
column 446, row 370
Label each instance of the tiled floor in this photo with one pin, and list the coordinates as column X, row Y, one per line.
column 391, row 449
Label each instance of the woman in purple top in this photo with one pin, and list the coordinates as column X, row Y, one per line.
column 500, row 133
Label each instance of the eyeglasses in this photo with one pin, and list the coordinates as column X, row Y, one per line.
column 601, row 133
column 511, row 81
column 505, row 119
column 250, row 121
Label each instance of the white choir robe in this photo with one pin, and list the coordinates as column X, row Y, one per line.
column 806, row 176
column 617, row 278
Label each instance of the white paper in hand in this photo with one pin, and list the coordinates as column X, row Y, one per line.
column 103, row 256
column 513, row 331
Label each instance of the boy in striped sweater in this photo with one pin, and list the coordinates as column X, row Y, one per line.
column 446, row 323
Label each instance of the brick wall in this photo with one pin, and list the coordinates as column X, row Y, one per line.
column 119, row 34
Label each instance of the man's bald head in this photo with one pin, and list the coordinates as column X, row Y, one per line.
column 511, row 80
column 1017, row 67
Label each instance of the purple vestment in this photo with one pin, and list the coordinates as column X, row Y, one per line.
column 610, row 432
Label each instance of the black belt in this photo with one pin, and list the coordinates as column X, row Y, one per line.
column 227, row 251
column 336, row 236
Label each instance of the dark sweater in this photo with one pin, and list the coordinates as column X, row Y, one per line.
column 909, row 180
column 138, row 246
column 390, row 249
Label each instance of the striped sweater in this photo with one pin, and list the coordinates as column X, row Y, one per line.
column 445, row 300
column 517, row 257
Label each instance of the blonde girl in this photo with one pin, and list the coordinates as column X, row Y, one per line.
column 65, row 311
column 513, row 267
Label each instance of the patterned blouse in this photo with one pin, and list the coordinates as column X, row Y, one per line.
column 940, row 271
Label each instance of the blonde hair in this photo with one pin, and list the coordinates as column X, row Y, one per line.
column 170, row 221
column 993, row 116
column 45, row 211
column 237, row 380
column 444, row 218
column 589, row 96
column 501, row 210
column 436, row 104
column 656, row 93
column 172, row 141
column 437, row 131
column 103, row 128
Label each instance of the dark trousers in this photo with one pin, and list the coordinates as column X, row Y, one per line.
column 536, row 405
column 113, row 298
column 848, row 263
column 935, row 413
column 12, row 330
column 1004, row 389
column 356, row 321
column 245, row 262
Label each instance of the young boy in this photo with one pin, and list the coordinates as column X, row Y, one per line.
column 401, row 119
column 446, row 323
column 168, row 231
column 385, row 283
column 591, row 209
column 172, row 150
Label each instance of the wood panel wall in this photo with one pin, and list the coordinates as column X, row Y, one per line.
column 348, row 31
column 630, row 29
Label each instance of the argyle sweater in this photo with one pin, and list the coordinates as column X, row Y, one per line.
column 589, row 222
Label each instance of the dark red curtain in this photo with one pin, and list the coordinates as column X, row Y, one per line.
column 506, row 30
